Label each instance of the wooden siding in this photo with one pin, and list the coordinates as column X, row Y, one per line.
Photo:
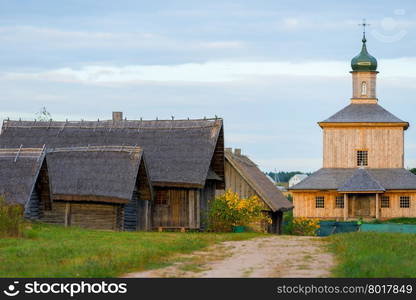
column 304, row 203
column 235, row 182
column 217, row 162
column 180, row 208
column 86, row 215
column 385, row 146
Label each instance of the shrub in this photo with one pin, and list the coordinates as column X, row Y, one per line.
column 228, row 210
column 305, row 226
column 288, row 222
column 11, row 220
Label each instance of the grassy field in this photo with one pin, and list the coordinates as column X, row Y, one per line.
column 370, row 254
column 52, row 251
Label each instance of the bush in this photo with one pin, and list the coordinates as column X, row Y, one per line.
column 288, row 222
column 228, row 210
column 305, row 226
column 11, row 219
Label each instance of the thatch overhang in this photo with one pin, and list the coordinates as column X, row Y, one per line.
column 19, row 170
column 259, row 182
column 95, row 173
column 178, row 152
column 335, row 178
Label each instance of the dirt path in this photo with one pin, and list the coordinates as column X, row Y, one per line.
column 277, row 256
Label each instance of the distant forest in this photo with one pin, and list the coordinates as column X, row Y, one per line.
column 283, row 176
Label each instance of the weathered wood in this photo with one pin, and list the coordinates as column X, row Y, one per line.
column 385, row 146
column 345, row 207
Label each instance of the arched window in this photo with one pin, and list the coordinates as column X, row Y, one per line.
column 364, row 88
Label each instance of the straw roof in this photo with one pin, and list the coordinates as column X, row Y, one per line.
column 364, row 113
column 19, row 169
column 259, row 182
column 178, row 152
column 108, row 172
column 338, row 178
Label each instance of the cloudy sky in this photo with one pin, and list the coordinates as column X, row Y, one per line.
column 271, row 69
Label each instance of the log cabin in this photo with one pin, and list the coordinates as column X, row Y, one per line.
column 363, row 174
column 185, row 157
column 242, row 176
column 99, row 187
column 24, row 180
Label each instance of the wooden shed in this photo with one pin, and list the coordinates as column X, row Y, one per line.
column 185, row 157
column 24, row 180
column 244, row 177
column 100, row 187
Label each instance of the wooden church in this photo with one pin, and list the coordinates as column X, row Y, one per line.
column 363, row 174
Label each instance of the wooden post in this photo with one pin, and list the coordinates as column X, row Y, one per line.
column 345, row 207
column 67, row 214
column 377, row 206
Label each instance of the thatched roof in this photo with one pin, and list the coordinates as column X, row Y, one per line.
column 178, row 152
column 259, row 182
column 100, row 172
column 364, row 113
column 19, row 169
column 336, row 178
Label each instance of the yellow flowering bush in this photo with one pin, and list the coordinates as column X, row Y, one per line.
column 229, row 209
column 305, row 226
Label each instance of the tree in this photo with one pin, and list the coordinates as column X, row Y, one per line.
column 43, row 115
column 413, row 170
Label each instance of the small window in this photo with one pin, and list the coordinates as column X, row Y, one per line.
column 385, row 201
column 363, row 88
column 404, row 202
column 339, row 202
column 162, row 197
column 362, row 158
column 320, row 202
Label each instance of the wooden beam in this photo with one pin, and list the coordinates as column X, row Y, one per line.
column 377, row 206
column 345, row 207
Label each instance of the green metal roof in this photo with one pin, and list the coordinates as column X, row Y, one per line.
column 364, row 61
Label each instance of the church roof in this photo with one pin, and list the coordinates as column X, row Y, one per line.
column 361, row 181
column 363, row 113
column 346, row 178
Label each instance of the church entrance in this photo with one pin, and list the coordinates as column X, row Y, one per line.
column 361, row 206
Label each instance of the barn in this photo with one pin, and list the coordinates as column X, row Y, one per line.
column 100, row 187
column 24, row 179
column 185, row 158
column 244, row 177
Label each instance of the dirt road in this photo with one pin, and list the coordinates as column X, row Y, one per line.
column 276, row 256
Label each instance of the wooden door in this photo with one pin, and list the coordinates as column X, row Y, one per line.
column 362, row 206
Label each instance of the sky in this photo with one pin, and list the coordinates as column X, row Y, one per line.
column 271, row 69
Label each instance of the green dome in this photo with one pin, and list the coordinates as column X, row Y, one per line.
column 364, row 61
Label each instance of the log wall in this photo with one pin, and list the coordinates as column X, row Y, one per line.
column 86, row 215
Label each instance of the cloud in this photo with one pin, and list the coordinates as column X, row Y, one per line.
column 44, row 37
column 217, row 71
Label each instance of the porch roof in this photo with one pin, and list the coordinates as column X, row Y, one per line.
column 361, row 181
column 338, row 178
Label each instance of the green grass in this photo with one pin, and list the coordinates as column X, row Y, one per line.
column 411, row 221
column 53, row 251
column 370, row 254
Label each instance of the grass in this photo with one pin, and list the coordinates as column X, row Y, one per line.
column 411, row 221
column 54, row 251
column 370, row 254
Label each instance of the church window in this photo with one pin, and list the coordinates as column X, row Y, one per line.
column 320, row 202
column 364, row 88
column 362, row 158
column 385, row 201
column 339, row 202
column 404, row 202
